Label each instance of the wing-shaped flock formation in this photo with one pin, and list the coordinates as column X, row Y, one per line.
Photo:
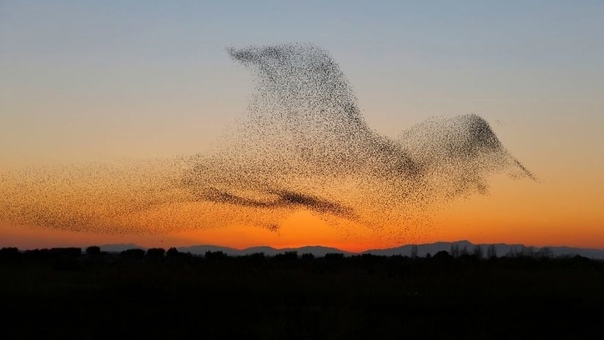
column 304, row 144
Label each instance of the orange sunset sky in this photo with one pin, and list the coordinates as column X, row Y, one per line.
column 100, row 81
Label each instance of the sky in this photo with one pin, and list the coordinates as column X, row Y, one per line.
column 97, row 81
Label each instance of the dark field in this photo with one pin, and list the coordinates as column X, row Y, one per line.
column 60, row 293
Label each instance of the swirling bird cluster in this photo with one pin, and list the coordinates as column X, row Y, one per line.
column 302, row 145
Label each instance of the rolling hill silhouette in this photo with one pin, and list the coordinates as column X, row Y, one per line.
column 501, row 249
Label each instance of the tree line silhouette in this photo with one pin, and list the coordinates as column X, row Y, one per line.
column 456, row 252
column 159, row 293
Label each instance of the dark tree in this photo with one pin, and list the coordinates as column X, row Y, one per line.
column 155, row 253
column 255, row 258
column 9, row 254
column 93, row 251
column 287, row 256
column 334, row 256
column 172, row 252
column 307, row 257
column 133, row 253
column 70, row 252
column 37, row 253
column 442, row 256
column 215, row 255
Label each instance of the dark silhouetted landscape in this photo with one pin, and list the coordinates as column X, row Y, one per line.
column 465, row 292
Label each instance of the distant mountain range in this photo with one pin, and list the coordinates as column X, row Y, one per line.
column 421, row 250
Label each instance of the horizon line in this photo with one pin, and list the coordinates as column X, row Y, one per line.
column 310, row 245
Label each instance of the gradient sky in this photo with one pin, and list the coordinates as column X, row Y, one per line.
column 87, row 81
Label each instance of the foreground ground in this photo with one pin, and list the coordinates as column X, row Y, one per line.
column 65, row 294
